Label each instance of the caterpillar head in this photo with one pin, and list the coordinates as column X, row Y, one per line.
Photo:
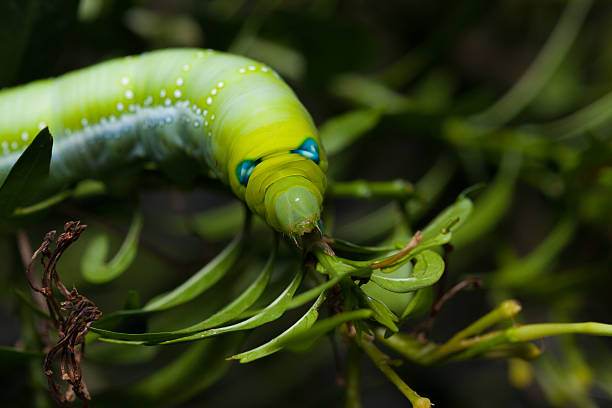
column 287, row 188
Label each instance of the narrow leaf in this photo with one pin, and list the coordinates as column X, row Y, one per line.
column 492, row 203
column 270, row 313
column 274, row 345
column 381, row 313
column 229, row 312
column 93, row 266
column 27, row 174
column 202, row 280
column 324, row 326
column 427, row 271
column 341, row 131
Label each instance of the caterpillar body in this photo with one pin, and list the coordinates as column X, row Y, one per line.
column 231, row 116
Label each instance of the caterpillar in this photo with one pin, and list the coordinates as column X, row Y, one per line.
column 198, row 110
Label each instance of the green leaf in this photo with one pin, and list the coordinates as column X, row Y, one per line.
column 420, row 303
column 492, row 203
column 93, row 265
column 219, row 222
column 202, row 280
column 297, row 340
column 367, row 92
column 181, row 379
column 274, row 345
column 341, row 131
column 449, row 220
column 529, row 268
column 380, row 312
column 343, row 245
column 229, row 312
column 272, row 312
column 427, row 271
column 27, row 175
column 85, row 188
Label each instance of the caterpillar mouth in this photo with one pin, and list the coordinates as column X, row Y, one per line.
column 297, row 211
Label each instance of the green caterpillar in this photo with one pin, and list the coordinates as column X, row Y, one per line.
column 230, row 116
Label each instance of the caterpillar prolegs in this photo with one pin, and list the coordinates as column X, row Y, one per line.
column 230, row 116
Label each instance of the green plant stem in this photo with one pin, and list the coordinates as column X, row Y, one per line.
column 381, row 360
column 506, row 310
column 409, row 347
column 353, row 373
column 545, row 64
column 398, row 189
column 590, row 117
column 477, row 345
column 86, row 188
column 470, row 343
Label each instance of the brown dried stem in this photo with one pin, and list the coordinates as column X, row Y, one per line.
column 72, row 317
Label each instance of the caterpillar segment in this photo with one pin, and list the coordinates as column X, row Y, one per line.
column 184, row 109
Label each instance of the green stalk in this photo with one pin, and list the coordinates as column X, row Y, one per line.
column 477, row 345
column 398, row 189
column 506, row 310
column 381, row 360
column 353, row 372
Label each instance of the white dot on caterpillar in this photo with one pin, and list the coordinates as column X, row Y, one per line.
column 206, row 123
column 148, row 100
column 42, row 125
column 129, row 94
column 84, row 122
column 177, row 93
column 213, row 92
column 252, row 68
column 168, row 119
column 112, row 118
column 200, row 54
column 209, row 101
column 132, row 107
column 264, row 69
column 168, row 102
column 196, row 123
column 220, row 84
column 25, row 136
column 198, row 111
column 120, row 106
column 212, row 117
column 14, row 146
column 186, row 67
column 4, row 146
column 125, row 81
column 204, row 113
column 179, row 81
column 162, row 93
column 209, row 133
column 242, row 70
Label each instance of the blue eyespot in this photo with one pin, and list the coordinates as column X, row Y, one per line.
column 244, row 170
column 309, row 149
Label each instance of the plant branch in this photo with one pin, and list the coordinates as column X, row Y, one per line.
column 382, row 361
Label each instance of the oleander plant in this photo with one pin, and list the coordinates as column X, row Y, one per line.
column 305, row 203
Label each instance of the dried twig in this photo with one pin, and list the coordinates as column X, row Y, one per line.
column 71, row 318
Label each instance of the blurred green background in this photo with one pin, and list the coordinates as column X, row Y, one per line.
column 515, row 94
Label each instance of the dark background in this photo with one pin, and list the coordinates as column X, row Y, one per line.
column 428, row 62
